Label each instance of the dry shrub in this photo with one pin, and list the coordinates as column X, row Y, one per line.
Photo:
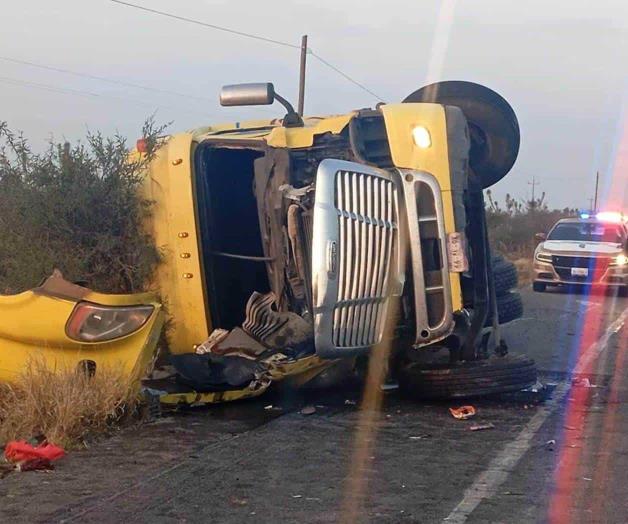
column 77, row 208
column 525, row 270
column 66, row 406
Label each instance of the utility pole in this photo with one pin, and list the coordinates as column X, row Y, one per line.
column 597, row 182
column 533, row 184
column 302, row 75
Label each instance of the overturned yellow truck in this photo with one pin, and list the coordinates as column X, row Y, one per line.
column 294, row 248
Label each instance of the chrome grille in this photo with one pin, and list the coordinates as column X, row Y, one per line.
column 356, row 262
column 367, row 215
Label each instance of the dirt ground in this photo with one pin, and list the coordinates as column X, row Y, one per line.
column 563, row 460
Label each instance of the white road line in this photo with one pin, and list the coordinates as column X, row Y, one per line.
column 498, row 470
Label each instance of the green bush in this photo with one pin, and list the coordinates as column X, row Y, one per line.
column 75, row 208
column 512, row 228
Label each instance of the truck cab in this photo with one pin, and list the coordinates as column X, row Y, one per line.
column 320, row 239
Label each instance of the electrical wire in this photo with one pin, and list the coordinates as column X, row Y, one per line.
column 342, row 73
column 79, row 92
column 205, row 24
column 102, row 78
column 252, row 36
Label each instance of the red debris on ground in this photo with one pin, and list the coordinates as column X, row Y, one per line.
column 20, row 450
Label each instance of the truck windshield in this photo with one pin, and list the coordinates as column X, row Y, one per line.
column 586, row 233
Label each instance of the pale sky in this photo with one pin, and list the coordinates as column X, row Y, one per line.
column 562, row 64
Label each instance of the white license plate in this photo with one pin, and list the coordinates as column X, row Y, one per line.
column 457, row 252
column 579, row 272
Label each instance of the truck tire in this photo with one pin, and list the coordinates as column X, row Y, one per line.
column 467, row 379
column 509, row 307
column 504, row 275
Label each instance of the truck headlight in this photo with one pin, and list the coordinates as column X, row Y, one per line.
column 95, row 323
column 620, row 260
column 544, row 257
column 421, row 137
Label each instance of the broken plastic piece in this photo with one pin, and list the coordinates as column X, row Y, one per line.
column 463, row 412
column 480, row 427
column 20, row 450
column 308, row 410
column 583, row 382
column 216, row 337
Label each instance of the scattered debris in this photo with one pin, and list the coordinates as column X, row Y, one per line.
column 463, row 412
column 36, row 464
column 216, row 337
column 20, row 451
column 480, row 427
column 389, row 386
column 162, row 372
column 297, row 496
column 583, row 382
column 308, row 410
column 235, row 501
column 586, row 478
column 550, row 445
column 350, row 402
column 420, row 437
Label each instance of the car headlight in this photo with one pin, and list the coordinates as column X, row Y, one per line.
column 94, row 323
column 620, row 260
column 544, row 257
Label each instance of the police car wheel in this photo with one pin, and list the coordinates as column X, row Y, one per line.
column 539, row 287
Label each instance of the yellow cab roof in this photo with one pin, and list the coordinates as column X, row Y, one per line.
column 272, row 131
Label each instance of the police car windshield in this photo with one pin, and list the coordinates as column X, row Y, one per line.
column 586, row 232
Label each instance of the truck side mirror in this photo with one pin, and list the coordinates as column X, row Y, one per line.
column 257, row 94
column 540, row 237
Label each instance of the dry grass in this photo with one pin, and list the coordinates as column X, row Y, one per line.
column 65, row 406
column 525, row 270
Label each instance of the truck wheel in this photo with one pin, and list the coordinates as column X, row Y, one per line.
column 539, row 287
column 509, row 307
column 504, row 275
column 467, row 379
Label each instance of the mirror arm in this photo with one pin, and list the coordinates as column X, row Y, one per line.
column 292, row 118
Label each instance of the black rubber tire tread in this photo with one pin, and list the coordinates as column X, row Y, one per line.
column 468, row 379
column 504, row 275
column 509, row 307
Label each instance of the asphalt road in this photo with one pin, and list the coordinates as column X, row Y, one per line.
column 561, row 460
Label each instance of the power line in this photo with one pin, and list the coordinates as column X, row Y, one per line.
column 205, row 24
column 101, row 78
column 355, row 82
column 79, row 92
column 252, row 36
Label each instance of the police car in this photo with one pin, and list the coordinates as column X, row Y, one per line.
column 589, row 250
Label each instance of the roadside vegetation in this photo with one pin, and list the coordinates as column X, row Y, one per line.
column 76, row 208
column 65, row 407
column 512, row 227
